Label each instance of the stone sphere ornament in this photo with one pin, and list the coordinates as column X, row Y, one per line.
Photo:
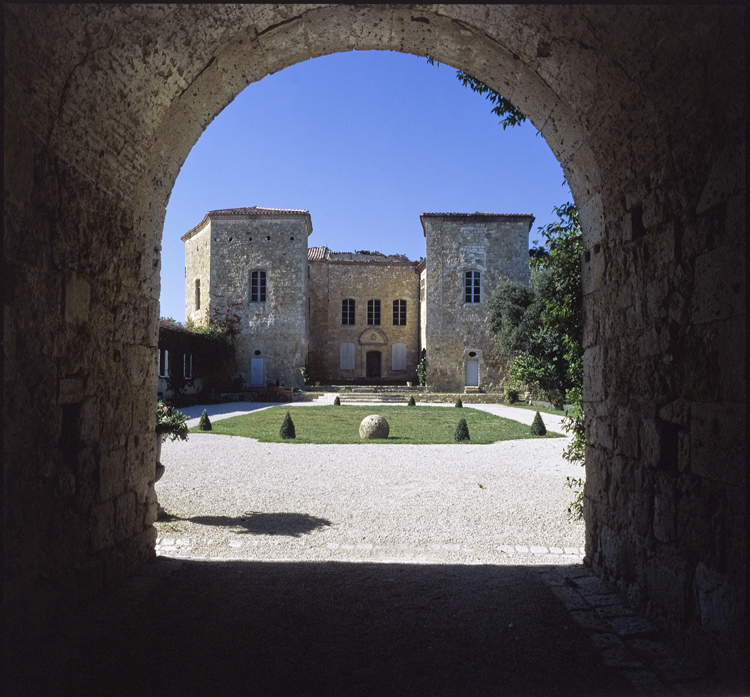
column 374, row 426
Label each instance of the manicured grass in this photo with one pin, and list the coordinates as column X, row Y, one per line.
column 331, row 424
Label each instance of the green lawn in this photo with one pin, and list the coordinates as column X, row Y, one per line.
column 331, row 424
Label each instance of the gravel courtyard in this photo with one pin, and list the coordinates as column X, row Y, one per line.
column 235, row 498
column 313, row 570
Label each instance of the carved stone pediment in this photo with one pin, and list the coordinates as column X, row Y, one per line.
column 372, row 336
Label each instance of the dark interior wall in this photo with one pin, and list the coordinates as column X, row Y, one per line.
column 643, row 106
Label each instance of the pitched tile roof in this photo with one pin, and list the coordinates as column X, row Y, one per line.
column 358, row 257
column 479, row 217
column 259, row 211
column 318, row 254
column 249, row 212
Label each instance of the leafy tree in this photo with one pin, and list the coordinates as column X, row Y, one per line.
column 509, row 114
column 411, row 402
column 541, row 326
column 422, row 370
column 563, row 293
column 459, row 403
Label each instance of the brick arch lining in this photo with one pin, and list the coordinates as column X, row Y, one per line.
column 643, row 107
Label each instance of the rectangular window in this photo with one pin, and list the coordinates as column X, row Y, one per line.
column 472, row 286
column 347, row 311
column 197, row 293
column 258, row 287
column 163, row 363
column 399, row 313
column 347, row 356
column 187, row 365
column 373, row 312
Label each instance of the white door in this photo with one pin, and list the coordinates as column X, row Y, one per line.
column 256, row 371
column 472, row 373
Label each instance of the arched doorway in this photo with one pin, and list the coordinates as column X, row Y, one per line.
column 653, row 157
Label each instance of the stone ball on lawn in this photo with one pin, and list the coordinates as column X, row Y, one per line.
column 374, row 426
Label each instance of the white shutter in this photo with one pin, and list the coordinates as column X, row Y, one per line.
column 399, row 357
column 347, row 356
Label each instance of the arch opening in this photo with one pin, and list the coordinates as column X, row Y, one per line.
column 655, row 163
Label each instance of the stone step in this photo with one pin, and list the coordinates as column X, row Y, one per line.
column 380, row 397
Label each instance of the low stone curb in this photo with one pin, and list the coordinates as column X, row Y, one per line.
column 627, row 643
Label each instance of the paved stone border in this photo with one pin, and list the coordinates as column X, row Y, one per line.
column 627, row 643
column 181, row 547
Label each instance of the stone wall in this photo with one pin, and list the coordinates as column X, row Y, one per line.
column 198, row 268
column 643, row 106
column 494, row 245
column 333, row 281
column 234, row 243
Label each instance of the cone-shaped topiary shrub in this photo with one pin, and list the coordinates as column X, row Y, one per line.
column 287, row 428
column 337, row 402
column 462, row 431
column 537, row 426
column 459, row 403
column 411, row 402
column 205, row 423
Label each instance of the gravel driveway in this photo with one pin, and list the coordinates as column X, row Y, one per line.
column 235, row 498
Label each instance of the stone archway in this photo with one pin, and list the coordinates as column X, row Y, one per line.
column 643, row 107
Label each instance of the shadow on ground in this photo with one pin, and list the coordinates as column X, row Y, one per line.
column 254, row 523
column 324, row 629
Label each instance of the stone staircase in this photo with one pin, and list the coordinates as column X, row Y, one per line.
column 361, row 396
column 398, row 394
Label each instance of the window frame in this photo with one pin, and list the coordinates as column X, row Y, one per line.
column 163, row 360
column 258, row 286
column 373, row 313
column 399, row 313
column 197, row 294
column 472, row 287
column 348, row 312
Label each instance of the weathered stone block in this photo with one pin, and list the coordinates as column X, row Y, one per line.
column 717, row 442
column 664, row 518
column 111, row 473
column 627, row 432
column 102, row 526
column 77, row 298
column 719, row 285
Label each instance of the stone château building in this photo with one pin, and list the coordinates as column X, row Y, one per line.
column 351, row 316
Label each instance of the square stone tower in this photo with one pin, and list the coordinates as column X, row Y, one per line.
column 252, row 263
column 467, row 257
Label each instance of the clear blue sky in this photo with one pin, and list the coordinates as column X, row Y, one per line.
column 366, row 141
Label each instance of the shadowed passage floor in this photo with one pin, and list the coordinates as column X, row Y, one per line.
column 330, row 628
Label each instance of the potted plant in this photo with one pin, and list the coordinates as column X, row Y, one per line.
column 170, row 423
